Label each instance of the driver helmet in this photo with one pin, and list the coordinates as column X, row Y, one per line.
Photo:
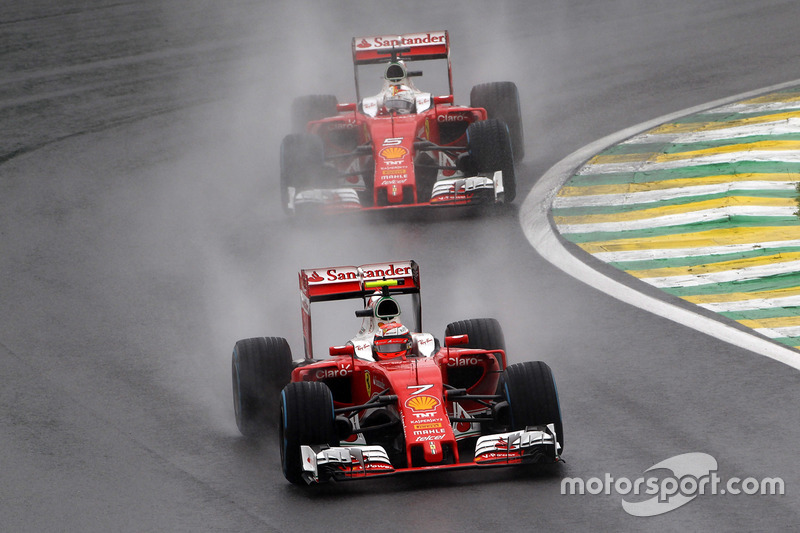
column 391, row 340
column 400, row 100
column 399, row 94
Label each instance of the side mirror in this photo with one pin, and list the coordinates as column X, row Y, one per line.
column 346, row 107
column 347, row 349
column 443, row 99
column 455, row 340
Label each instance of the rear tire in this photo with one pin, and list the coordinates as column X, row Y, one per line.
column 530, row 390
column 483, row 333
column 312, row 107
column 260, row 367
column 501, row 101
column 306, row 419
column 490, row 150
column 302, row 157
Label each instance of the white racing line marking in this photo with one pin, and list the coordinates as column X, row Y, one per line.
column 541, row 234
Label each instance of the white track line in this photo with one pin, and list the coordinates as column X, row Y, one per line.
column 537, row 228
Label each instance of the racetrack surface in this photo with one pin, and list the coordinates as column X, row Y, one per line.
column 141, row 237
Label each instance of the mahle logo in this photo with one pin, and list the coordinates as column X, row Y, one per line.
column 691, row 475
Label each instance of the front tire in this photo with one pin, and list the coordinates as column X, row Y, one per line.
column 500, row 99
column 306, row 419
column 302, row 158
column 312, row 107
column 530, row 390
column 260, row 367
column 490, row 150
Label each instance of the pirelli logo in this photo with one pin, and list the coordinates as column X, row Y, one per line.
column 428, row 425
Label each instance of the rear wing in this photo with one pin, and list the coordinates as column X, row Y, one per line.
column 408, row 47
column 352, row 282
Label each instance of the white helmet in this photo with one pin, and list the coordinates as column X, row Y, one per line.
column 401, row 101
column 399, row 96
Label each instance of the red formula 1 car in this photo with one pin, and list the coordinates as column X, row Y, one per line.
column 391, row 399
column 402, row 147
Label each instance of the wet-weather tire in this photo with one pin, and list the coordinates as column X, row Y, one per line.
column 500, row 99
column 530, row 390
column 306, row 419
column 302, row 158
column 312, row 107
column 260, row 367
column 490, row 150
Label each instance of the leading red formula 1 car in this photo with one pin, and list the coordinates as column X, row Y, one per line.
column 392, row 400
column 402, row 147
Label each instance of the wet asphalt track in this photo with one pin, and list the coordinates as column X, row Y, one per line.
column 139, row 241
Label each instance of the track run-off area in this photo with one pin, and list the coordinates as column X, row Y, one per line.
column 701, row 204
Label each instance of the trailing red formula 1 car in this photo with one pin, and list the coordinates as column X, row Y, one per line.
column 392, row 400
column 402, row 147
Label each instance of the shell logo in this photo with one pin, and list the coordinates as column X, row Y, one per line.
column 422, row 403
column 393, row 152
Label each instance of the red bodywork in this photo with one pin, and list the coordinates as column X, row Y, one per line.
column 423, row 404
column 431, row 407
column 392, row 160
column 435, row 395
column 400, row 174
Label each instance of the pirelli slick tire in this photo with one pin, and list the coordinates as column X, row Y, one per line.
column 490, row 150
column 302, row 158
column 312, row 107
column 306, row 419
column 260, row 367
column 530, row 390
column 500, row 99
column 483, row 333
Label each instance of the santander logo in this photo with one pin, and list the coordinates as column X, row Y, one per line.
column 411, row 39
column 315, row 278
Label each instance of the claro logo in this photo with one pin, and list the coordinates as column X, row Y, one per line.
column 339, row 372
column 451, row 118
column 464, row 361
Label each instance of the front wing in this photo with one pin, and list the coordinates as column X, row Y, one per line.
column 532, row 445
column 473, row 190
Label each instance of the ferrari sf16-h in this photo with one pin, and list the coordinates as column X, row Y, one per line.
column 392, row 399
column 402, row 147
